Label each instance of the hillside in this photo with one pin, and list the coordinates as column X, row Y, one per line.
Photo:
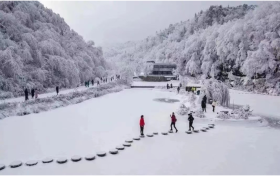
column 239, row 45
column 38, row 49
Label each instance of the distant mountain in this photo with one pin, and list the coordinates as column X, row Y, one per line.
column 38, row 49
column 239, row 45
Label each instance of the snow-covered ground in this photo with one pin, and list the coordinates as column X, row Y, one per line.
column 263, row 105
column 100, row 124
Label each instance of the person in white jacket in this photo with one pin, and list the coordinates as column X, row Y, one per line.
column 214, row 103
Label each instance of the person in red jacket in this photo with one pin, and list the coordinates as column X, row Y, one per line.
column 142, row 124
column 173, row 121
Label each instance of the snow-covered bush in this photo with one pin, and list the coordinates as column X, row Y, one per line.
column 192, row 99
column 183, row 110
column 217, row 91
column 242, row 113
column 199, row 113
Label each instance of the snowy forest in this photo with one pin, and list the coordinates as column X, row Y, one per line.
column 237, row 45
column 38, row 49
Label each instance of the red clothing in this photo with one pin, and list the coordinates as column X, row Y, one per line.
column 173, row 118
column 142, row 123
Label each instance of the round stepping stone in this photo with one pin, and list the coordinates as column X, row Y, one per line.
column 2, row 166
column 61, row 160
column 101, row 154
column 136, row 138
column 150, row 135
column 113, row 151
column 188, row 132
column 127, row 144
column 155, row 133
column 164, row 133
column 129, row 141
column 211, row 126
column 47, row 160
column 142, row 136
column 207, row 128
column 15, row 164
column 76, row 158
column 196, row 131
column 170, row 131
column 120, row 147
column 90, row 157
column 31, row 163
column 203, row 130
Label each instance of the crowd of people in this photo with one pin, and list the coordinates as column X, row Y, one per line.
column 35, row 92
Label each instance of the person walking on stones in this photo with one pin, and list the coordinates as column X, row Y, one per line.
column 167, row 86
column 191, row 119
column 171, row 86
column 142, row 124
column 214, row 105
column 57, row 90
column 178, row 89
column 26, row 94
column 173, row 122
column 92, row 82
column 32, row 92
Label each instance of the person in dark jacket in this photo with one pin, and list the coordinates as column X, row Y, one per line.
column 167, row 86
column 57, row 90
column 178, row 89
column 173, row 122
column 92, row 82
column 191, row 119
column 32, row 92
column 26, row 94
column 142, row 124
column 171, row 86
column 203, row 103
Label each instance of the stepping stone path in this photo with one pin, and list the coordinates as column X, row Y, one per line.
column 120, row 147
column 90, row 157
column 129, row 141
column 47, row 160
column 101, row 154
column 164, row 133
column 188, row 132
column 15, row 164
column 2, row 166
column 31, row 163
column 150, row 135
column 155, row 133
column 113, row 151
column 127, row 144
column 76, row 158
column 61, row 160
column 136, row 138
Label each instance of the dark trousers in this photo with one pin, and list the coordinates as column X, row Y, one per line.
column 190, row 125
column 203, row 109
column 26, row 97
column 213, row 108
column 142, row 130
column 173, row 124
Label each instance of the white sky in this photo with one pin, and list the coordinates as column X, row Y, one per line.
column 119, row 21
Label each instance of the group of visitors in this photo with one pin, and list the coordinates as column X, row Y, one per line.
column 173, row 123
column 204, row 101
column 35, row 92
column 169, row 87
